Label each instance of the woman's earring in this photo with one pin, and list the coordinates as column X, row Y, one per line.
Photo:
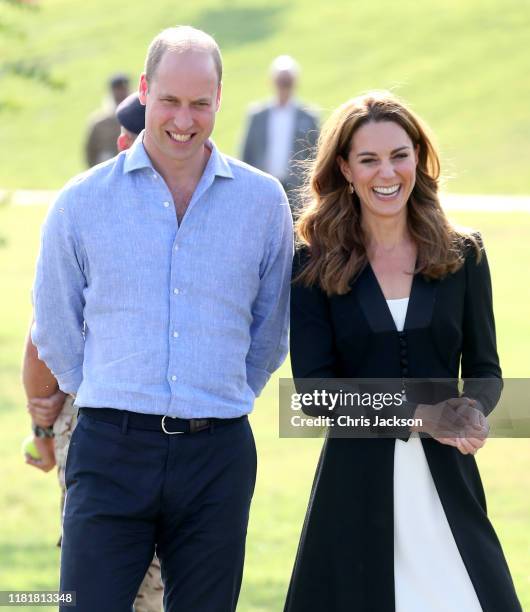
column 350, row 188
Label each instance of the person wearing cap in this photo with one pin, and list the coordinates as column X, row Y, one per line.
column 53, row 413
column 281, row 133
column 131, row 117
column 103, row 127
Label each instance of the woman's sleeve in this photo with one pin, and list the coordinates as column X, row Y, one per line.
column 479, row 347
column 312, row 344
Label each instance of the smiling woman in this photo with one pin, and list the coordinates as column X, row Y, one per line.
column 383, row 178
column 386, row 288
column 375, row 156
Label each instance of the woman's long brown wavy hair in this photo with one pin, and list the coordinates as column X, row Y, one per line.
column 329, row 224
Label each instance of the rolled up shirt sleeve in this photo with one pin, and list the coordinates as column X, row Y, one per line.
column 60, row 280
column 270, row 311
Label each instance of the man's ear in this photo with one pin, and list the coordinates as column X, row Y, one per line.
column 142, row 89
column 218, row 97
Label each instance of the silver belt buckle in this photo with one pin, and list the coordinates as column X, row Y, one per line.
column 170, row 433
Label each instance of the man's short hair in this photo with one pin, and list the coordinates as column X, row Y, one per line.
column 284, row 63
column 181, row 39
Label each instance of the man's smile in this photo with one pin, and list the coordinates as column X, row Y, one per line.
column 182, row 138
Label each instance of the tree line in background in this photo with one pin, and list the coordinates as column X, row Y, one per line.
column 34, row 69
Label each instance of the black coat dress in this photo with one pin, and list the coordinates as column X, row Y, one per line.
column 345, row 561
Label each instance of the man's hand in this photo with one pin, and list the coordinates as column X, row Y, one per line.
column 455, row 422
column 45, row 410
column 45, row 448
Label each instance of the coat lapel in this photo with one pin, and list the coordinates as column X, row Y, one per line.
column 375, row 309
column 297, row 133
column 262, row 140
column 372, row 301
column 421, row 303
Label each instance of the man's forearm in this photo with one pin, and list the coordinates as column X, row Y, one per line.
column 37, row 379
column 45, row 400
column 58, row 298
column 269, row 330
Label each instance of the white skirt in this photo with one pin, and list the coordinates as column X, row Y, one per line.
column 429, row 574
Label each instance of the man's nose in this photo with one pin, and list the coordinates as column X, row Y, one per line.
column 182, row 119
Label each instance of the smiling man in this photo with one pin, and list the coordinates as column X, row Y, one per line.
column 161, row 301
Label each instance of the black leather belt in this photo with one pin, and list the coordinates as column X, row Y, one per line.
column 155, row 422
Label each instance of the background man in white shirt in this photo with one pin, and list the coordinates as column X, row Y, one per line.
column 281, row 133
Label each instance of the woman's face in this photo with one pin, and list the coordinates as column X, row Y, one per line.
column 382, row 167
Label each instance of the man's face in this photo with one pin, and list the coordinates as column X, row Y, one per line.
column 181, row 101
column 120, row 92
column 284, row 83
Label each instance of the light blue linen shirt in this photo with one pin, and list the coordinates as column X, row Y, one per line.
column 133, row 311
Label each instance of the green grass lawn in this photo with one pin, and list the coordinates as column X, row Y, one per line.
column 462, row 64
column 29, row 499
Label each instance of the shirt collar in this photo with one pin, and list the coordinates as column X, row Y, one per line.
column 136, row 158
column 219, row 163
column 290, row 105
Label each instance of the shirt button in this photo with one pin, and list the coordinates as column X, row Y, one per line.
column 175, row 334
column 176, row 247
column 176, row 291
column 173, row 378
column 155, row 175
column 166, row 204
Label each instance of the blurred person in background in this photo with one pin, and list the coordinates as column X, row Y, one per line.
column 281, row 134
column 104, row 129
column 386, row 287
column 52, row 411
column 131, row 117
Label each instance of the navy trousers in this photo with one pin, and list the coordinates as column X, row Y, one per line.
column 132, row 491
